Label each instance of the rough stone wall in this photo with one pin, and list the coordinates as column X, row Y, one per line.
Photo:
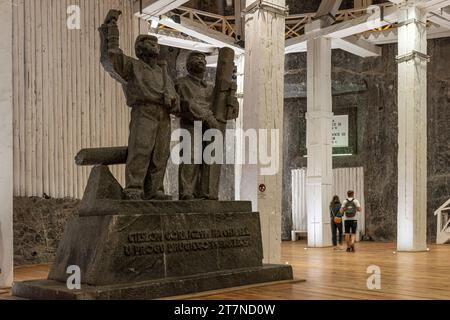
column 38, row 228
column 213, row 6
column 297, row 7
column 377, row 128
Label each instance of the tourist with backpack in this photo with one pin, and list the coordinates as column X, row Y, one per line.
column 336, row 221
column 350, row 208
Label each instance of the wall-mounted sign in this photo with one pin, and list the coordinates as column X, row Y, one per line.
column 339, row 131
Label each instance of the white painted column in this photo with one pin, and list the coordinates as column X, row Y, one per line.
column 239, row 147
column 412, row 129
column 6, row 146
column 319, row 121
column 263, row 109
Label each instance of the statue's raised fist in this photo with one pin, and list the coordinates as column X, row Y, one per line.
column 113, row 16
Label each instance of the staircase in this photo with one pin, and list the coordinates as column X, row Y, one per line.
column 443, row 223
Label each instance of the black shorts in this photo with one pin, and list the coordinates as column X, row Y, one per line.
column 351, row 226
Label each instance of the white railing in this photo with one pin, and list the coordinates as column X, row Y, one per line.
column 344, row 179
column 443, row 223
column 299, row 223
column 295, row 23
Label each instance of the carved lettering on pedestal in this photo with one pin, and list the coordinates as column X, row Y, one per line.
column 149, row 243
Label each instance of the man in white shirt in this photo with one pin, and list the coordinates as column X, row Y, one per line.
column 350, row 208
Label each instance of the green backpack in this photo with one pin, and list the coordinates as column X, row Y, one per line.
column 350, row 209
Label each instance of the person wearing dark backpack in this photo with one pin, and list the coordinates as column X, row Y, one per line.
column 336, row 221
column 350, row 208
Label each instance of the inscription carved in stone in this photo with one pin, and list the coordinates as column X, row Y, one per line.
column 149, row 243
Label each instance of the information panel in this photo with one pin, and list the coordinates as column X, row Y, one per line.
column 340, row 131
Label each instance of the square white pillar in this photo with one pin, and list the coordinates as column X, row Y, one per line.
column 319, row 144
column 412, row 129
column 263, row 109
column 6, row 146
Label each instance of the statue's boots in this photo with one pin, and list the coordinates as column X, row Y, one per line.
column 159, row 196
column 134, row 194
column 187, row 197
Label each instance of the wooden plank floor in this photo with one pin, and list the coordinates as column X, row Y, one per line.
column 340, row 275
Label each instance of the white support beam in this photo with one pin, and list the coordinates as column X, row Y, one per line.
column 182, row 43
column 6, row 145
column 318, row 139
column 412, row 129
column 239, row 144
column 298, row 47
column 389, row 15
column 357, row 46
column 199, row 31
column 353, row 44
column 391, row 36
column 212, row 60
column 239, row 6
column 156, row 7
column 328, row 7
column 327, row 11
column 348, row 28
column 442, row 20
column 303, row 47
column 432, row 5
column 263, row 110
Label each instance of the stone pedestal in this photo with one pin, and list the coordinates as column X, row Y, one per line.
column 146, row 250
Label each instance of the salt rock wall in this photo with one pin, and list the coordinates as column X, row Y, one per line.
column 377, row 131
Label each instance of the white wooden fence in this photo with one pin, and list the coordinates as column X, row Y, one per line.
column 63, row 99
column 344, row 179
column 299, row 219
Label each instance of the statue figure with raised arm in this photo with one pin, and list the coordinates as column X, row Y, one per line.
column 152, row 97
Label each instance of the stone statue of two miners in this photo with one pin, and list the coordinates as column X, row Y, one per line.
column 153, row 97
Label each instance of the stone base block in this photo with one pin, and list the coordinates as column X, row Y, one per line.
column 129, row 248
column 56, row 290
column 146, row 250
